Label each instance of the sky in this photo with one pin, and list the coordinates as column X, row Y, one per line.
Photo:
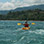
column 13, row 4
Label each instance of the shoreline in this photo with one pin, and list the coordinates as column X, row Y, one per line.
column 20, row 20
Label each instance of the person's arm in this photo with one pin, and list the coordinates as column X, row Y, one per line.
column 23, row 24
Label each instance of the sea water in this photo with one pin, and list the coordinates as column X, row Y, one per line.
column 11, row 33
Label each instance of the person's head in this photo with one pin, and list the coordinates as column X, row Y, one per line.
column 26, row 22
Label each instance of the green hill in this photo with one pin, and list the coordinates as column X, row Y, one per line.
column 36, row 14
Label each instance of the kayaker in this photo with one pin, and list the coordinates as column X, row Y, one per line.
column 26, row 24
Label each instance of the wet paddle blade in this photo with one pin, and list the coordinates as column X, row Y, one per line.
column 18, row 23
column 33, row 23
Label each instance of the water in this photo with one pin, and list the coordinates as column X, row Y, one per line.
column 11, row 33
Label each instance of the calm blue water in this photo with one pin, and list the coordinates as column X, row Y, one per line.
column 11, row 33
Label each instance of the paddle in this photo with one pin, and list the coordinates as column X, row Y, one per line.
column 18, row 23
column 33, row 23
column 21, row 23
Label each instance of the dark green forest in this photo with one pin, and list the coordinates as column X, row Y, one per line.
column 36, row 14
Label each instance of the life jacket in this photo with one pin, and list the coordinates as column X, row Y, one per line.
column 26, row 25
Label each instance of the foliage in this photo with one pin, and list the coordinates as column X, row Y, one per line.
column 24, row 15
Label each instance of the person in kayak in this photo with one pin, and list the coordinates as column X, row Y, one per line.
column 26, row 24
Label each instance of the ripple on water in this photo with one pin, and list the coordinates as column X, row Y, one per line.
column 11, row 33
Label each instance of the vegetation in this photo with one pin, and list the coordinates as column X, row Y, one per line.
column 36, row 14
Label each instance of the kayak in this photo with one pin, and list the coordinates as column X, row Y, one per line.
column 26, row 28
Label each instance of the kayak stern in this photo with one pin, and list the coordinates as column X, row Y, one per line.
column 26, row 28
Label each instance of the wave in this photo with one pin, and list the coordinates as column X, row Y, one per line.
column 19, row 29
column 5, row 39
column 41, row 31
column 22, row 38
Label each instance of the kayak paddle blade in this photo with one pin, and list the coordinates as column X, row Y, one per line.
column 18, row 23
column 33, row 23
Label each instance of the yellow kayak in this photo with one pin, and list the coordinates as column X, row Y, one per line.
column 26, row 28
